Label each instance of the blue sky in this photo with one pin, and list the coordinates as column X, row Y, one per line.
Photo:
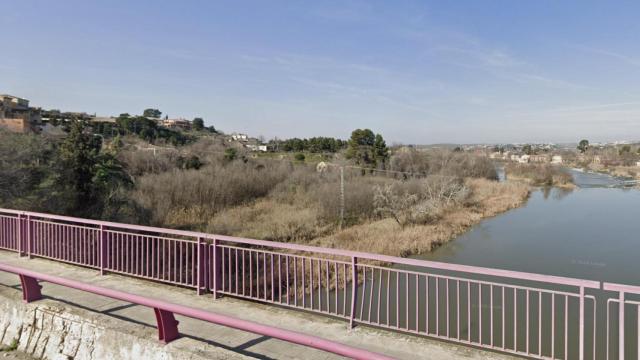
column 415, row 71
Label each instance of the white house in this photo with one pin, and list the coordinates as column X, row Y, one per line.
column 524, row 159
column 556, row 159
column 239, row 137
column 254, row 147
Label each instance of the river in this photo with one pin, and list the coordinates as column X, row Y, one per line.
column 591, row 232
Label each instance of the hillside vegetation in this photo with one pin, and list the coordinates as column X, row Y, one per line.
column 396, row 202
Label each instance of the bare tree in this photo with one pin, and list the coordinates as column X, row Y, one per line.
column 435, row 194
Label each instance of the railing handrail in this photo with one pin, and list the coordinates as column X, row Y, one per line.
column 245, row 325
column 621, row 288
column 558, row 280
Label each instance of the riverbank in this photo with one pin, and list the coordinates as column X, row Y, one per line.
column 617, row 171
column 539, row 175
column 488, row 199
column 622, row 172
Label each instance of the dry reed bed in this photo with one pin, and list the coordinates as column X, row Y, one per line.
column 489, row 198
column 385, row 236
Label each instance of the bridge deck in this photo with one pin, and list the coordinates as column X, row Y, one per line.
column 196, row 332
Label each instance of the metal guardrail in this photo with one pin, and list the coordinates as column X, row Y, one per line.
column 167, row 324
column 628, row 298
column 527, row 314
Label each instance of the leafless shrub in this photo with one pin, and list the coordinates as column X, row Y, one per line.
column 539, row 174
column 211, row 149
column 411, row 161
column 358, row 198
column 434, row 195
column 464, row 165
column 444, row 162
column 206, row 191
column 139, row 162
column 300, row 179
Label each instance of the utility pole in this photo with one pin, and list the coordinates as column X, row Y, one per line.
column 341, row 196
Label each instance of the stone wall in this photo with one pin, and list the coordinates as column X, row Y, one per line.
column 47, row 329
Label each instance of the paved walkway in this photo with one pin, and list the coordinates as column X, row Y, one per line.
column 397, row 345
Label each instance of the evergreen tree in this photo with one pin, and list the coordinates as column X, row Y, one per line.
column 198, row 124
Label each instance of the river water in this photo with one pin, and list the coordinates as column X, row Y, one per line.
column 591, row 232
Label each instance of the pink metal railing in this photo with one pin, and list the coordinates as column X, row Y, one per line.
column 167, row 324
column 534, row 315
column 627, row 318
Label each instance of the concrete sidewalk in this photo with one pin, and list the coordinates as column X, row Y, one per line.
column 215, row 341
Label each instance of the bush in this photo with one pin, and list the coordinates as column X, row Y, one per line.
column 230, row 154
column 419, row 201
column 300, row 157
column 209, row 190
column 140, row 162
column 444, row 162
column 411, row 161
column 539, row 174
column 188, row 163
column 358, row 198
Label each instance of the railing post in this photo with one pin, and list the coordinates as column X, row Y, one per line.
column 167, row 326
column 621, row 326
column 206, row 267
column 103, row 250
column 20, row 231
column 30, row 289
column 581, row 340
column 199, row 269
column 354, row 290
column 29, row 235
column 216, row 268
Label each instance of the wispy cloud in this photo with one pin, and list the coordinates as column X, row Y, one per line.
column 603, row 113
column 634, row 61
column 535, row 79
column 184, row 54
column 348, row 11
column 371, row 94
column 460, row 49
column 481, row 57
column 295, row 62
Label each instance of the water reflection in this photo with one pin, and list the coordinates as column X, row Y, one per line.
column 555, row 193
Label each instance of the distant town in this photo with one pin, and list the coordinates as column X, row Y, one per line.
column 17, row 115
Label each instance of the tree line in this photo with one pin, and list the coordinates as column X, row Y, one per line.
column 312, row 145
column 364, row 147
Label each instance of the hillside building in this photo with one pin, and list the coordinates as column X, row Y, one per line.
column 17, row 116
